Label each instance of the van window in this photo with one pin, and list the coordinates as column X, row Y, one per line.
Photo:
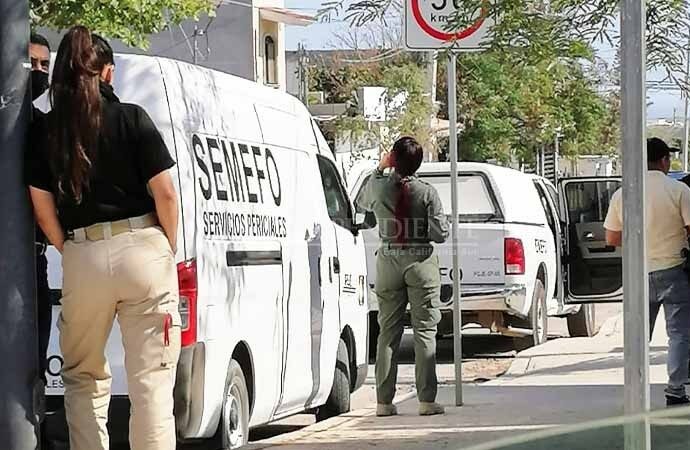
column 339, row 209
column 322, row 143
column 358, row 208
column 474, row 196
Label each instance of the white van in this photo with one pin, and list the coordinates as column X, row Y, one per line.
column 271, row 263
column 528, row 250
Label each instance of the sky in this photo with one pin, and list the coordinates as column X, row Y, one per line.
column 321, row 36
column 314, row 37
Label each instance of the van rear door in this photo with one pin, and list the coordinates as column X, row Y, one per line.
column 593, row 269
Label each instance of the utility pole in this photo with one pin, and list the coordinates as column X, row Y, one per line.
column 454, row 224
column 686, row 127
column 635, row 274
column 197, row 33
column 302, row 73
column 19, row 342
column 196, row 44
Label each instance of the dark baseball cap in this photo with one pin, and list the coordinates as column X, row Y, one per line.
column 657, row 150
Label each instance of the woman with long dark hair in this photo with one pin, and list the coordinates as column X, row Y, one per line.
column 102, row 194
column 410, row 216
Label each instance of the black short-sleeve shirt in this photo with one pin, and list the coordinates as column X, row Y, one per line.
column 130, row 152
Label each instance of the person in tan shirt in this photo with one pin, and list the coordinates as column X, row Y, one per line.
column 668, row 223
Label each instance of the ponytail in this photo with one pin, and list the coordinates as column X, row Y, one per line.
column 75, row 124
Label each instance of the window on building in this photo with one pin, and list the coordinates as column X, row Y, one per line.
column 270, row 75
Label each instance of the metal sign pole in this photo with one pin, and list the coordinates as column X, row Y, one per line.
column 457, row 295
column 634, row 156
column 19, row 342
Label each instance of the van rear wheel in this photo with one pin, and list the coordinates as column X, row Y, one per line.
column 339, row 400
column 582, row 324
column 233, row 429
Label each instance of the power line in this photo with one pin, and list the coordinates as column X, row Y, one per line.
column 391, row 53
column 187, row 38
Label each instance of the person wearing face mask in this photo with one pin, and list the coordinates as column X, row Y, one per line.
column 39, row 53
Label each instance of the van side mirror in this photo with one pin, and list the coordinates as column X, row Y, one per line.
column 359, row 219
column 364, row 221
column 359, row 223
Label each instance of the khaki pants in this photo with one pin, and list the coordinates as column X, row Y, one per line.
column 407, row 276
column 131, row 276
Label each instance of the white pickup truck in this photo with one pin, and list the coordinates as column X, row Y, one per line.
column 528, row 249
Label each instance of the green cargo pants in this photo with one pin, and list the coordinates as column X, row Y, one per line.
column 402, row 276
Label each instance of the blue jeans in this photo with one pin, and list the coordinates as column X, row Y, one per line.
column 671, row 288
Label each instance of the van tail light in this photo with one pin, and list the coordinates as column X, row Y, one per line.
column 186, row 275
column 514, row 257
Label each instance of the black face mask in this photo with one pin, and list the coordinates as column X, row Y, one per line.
column 39, row 83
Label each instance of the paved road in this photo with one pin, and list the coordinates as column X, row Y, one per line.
column 562, row 382
column 485, row 359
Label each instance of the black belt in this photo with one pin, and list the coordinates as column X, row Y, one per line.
column 405, row 245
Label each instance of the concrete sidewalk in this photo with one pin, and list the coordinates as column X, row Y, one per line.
column 564, row 381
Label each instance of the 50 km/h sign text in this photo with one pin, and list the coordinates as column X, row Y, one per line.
column 426, row 26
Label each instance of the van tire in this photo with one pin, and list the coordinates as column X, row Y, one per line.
column 339, row 400
column 582, row 324
column 233, row 428
column 538, row 314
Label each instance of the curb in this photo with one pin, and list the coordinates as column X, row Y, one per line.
column 518, row 368
column 523, row 360
column 326, row 425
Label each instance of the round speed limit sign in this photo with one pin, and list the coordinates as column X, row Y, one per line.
column 426, row 26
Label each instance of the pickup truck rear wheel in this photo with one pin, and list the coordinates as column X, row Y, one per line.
column 538, row 315
column 581, row 324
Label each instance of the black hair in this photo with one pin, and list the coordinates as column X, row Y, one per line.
column 76, row 119
column 408, row 156
column 75, row 122
column 657, row 150
column 104, row 52
column 39, row 39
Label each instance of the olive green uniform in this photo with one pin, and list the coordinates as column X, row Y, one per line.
column 407, row 270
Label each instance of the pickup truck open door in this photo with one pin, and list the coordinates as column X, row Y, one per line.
column 592, row 269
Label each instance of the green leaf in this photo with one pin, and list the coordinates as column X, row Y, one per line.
column 132, row 21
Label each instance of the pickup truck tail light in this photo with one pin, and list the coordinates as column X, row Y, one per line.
column 514, row 257
column 186, row 275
